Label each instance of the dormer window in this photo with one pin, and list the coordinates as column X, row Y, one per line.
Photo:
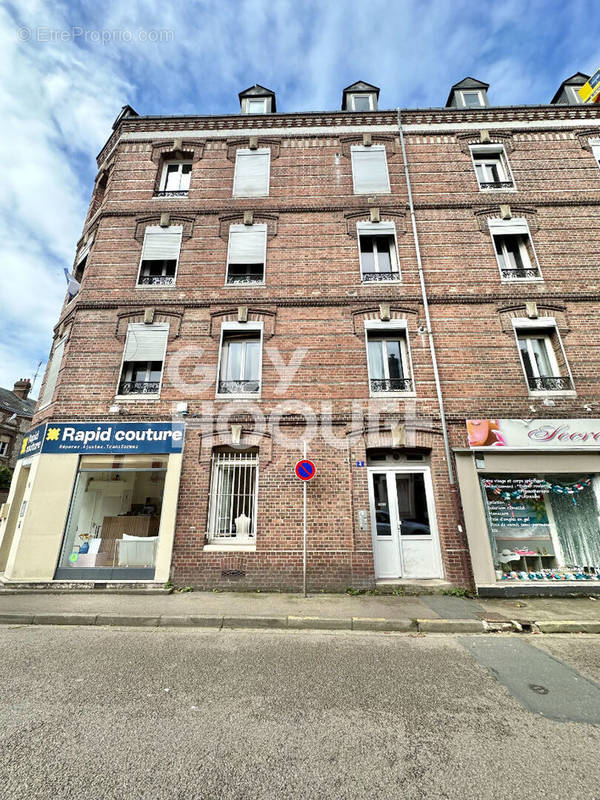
column 360, row 96
column 257, row 100
column 468, row 93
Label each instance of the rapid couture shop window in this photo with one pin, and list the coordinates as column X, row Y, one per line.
column 114, row 519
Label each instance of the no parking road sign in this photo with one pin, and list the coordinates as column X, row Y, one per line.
column 305, row 470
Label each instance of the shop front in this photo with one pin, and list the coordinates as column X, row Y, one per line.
column 93, row 502
column 530, row 492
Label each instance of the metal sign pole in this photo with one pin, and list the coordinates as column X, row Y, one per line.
column 304, row 531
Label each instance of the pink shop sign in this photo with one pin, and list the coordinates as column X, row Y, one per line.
column 535, row 434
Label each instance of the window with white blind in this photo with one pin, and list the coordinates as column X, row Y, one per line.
column 246, row 254
column 252, row 169
column 491, row 167
column 233, row 497
column 240, row 360
column 143, row 359
column 175, row 179
column 514, row 249
column 370, row 170
column 542, row 356
column 52, row 374
column 160, row 256
column 378, row 252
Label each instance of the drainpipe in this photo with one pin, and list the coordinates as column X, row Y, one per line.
column 438, row 386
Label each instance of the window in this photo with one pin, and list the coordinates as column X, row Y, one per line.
column 143, row 359
column 246, row 255
column 175, row 179
column 514, row 250
column 257, row 105
column 81, row 259
column 491, row 168
column 240, row 361
column 252, row 168
column 52, row 374
column 596, row 152
column 160, row 254
column 362, row 102
column 573, row 94
column 472, row 99
column 378, row 254
column 543, row 359
column 233, row 497
column 369, row 170
column 388, row 361
column 3, row 449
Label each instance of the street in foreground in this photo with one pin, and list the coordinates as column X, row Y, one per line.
column 113, row 713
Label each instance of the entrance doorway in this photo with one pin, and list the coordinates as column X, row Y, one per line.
column 403, row 523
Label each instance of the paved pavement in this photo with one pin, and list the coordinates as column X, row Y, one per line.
column 327, row 606
column 184, row 714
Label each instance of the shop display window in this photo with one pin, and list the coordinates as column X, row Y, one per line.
column 543, row 527
column 114, row 518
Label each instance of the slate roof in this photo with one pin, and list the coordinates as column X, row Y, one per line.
column 10, row 402
column 578, row 79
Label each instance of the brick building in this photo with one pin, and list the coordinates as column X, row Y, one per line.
column 413, row 295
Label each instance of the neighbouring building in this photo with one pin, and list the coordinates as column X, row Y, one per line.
column 412, row 296
column 16, row 413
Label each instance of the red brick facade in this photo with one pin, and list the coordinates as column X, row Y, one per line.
column 313, row 298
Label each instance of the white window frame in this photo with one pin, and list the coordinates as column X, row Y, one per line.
column 503, row 162
column 369, row 95
column 3, row 449
column 260, row 226
column 151, row 397
column 362, row 148
column 388, row 228
column 244, row 153
column 240, row 327
column 575, row 96
column 217, row 542
column 478, row 92
column 163, row 177
column 154, row 287
column 495, row 227
column 520, row 328
column 595, row 145
column 266, row 102
column 60, row 343
column 400, row 328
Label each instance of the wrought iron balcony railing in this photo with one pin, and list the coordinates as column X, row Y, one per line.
column 381, row 276
column 139, row 387
column 391, row 384
column 156, row 280
column 239, row 387
column 249, row 277
column 496, row 185
column 520, row 273
column 171, row 193
column 550, row 383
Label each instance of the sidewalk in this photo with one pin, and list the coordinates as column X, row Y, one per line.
column 426, row 613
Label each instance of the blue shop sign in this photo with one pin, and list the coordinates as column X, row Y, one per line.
column 32, row 442
column 108, row 437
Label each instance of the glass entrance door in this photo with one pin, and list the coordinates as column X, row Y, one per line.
column 405, row 542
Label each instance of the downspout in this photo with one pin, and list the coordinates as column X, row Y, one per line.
column 438, row 386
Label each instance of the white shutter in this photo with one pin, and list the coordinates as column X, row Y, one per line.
column 162, row 243
column 146, row 342
column 53, row 369
column 369, row 170
column 84, row 250
column 515, row 225
column 374, row 228
column 252, row 173
column 247, row 244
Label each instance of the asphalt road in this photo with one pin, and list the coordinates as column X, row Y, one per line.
column 186, row 714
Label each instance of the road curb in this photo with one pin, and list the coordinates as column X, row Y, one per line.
column 294, row 622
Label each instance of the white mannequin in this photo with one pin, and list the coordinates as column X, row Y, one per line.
column 242, row 525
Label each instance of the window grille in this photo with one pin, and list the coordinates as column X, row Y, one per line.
column 234, row 486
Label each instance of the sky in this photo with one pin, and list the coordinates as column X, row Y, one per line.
column 66, row 68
